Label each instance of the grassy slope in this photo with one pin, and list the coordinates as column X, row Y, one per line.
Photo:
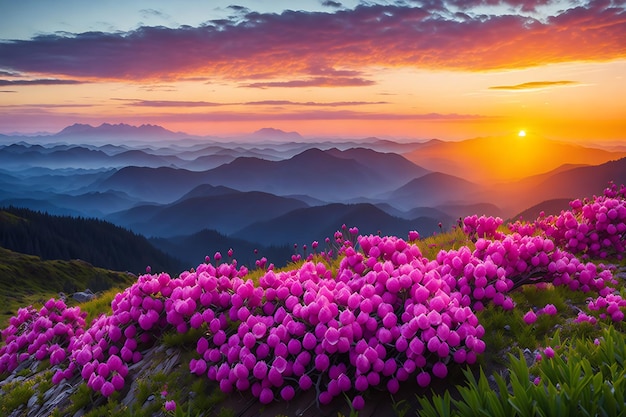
column 505, row 333
column 26, row 279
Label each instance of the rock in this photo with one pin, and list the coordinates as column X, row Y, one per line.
column 32, row 401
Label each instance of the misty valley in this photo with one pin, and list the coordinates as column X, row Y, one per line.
column 260, row 195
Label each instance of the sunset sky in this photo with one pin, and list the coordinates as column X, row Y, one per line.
column 451, row 69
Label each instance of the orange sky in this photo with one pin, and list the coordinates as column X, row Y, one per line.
column 448, row 69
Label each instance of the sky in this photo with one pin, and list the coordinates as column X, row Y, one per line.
column 404, row 70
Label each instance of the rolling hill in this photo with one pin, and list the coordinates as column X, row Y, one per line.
column 225, row 211
column 577, row 182
column 433, row 189
column 192, row 249
column 95, row 241
column 305, row 225
column 25, row 279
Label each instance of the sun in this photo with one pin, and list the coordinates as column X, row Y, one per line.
column 521, row 133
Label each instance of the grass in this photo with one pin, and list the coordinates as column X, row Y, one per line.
column 16, row 395
column 431, row 245
column 29, row 280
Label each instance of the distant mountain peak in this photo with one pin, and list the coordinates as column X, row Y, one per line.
column 272, row 133
column 106, row 129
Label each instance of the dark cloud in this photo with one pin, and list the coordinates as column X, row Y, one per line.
column 330, row 3
column 323, row 45
column 44, row 81
column 533, row 85
column 523, row 5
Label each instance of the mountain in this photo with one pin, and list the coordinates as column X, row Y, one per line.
column 225, row 212
column 390, row 166
column 578, row 182
column 107, row 130
column 192, row 249
column 63, row 156
column 269, row 133
column 305, row 225
column 548, row 207
column 160, row 185
column 432, row 190
column 98, row 242
column 463, row 210
column 324, row 175
column 495, row 159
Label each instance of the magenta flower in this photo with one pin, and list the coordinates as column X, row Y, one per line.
column 550, row 310
column 530, row 317
column 170, row 405
column 358, row 402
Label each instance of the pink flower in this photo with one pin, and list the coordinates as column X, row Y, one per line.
column 550, row 310
column 358, row 402
column 423, row 379
column 170, row 405
column 530, row 317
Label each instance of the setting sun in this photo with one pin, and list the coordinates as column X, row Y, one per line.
column 521, row 133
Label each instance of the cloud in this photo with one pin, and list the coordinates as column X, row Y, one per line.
column 8, row 74
column 330, row 3
column 312, row 103
column 8, row 91
column 314, row 82
column 171, row 103
column 274, row 103
column 534, row 85
column 266, row 47
column 239, row 116
column 523, row 5
column 44, row 81
column 153, row 13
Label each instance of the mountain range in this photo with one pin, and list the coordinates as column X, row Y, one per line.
column 193, row 196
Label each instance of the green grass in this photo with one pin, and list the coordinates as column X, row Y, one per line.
column 16, row 395
column 430, row 246
column 28, row 280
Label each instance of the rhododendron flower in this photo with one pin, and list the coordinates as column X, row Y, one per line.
column 170, row 405
column 530, row 317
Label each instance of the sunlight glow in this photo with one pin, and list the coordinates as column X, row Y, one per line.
column 521, row 133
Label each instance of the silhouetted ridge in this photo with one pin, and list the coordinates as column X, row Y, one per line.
column 95, row 241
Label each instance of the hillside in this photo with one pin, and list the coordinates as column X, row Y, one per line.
column 25, row 279
column 95, row 241
column 434, row 189
column 192, row 249
column 305, row 225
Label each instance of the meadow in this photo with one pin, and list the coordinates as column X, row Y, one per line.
column 521, row 319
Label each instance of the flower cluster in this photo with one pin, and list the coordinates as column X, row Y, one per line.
column 381, row 320
column 43, row 333
column 595, row 227
column 482, row 227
